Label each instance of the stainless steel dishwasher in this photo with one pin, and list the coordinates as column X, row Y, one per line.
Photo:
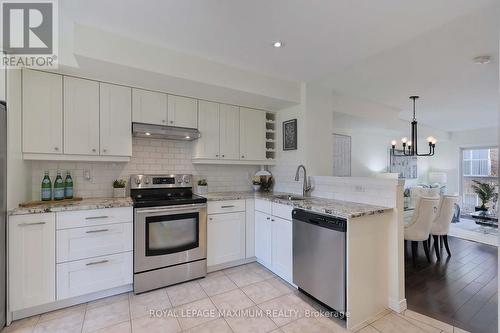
column 319, row 257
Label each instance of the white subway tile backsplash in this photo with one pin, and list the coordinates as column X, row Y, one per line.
column 149, row 156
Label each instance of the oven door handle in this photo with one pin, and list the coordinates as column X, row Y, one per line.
column 193, row 207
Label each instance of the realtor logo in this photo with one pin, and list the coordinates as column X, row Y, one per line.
column 29, row 33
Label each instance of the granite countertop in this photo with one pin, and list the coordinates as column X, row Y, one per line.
column 338, row 208
column 85, row 204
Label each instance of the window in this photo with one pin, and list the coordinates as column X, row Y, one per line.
column 477, row 162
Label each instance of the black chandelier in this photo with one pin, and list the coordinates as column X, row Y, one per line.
column 410, row 146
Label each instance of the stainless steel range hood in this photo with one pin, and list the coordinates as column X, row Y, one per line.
column 164, row 132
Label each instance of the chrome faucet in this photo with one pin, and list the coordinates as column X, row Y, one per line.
column 306, row 188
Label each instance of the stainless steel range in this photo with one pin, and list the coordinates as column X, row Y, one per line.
column 170, row 231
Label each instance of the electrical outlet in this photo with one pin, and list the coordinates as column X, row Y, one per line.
column 87, row 175
column 359, row 188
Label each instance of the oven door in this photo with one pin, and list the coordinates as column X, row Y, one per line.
column 169, row 236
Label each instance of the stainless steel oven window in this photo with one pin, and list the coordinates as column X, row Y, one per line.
column 166, row 234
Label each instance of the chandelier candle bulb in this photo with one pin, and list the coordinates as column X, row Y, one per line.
column 404, row 140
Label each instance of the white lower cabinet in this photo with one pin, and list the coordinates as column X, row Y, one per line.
column 273, row 241
column 281, row 240
column 225, row 238
column 55, row 256
column 81, row 243
column 31, row 260
column 263, row 238
column 86, row 276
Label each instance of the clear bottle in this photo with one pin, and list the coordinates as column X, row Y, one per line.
column 58, row 187
column 46, row 192
column 68, row 186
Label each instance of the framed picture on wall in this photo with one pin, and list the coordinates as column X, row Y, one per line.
column 290, row 134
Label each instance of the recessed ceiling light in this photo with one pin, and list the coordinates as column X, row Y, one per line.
column 482, row 60
column 147, row 133
column 188, row 137
column 277, row 44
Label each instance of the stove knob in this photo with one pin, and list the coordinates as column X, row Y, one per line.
column 146, row 180
column 179, row 181
column 138, row 181
column 186, row 179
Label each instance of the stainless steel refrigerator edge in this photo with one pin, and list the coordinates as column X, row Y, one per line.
column 3, row 209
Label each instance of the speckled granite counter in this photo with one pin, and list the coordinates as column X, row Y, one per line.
column 338, row 208
column 85, row 204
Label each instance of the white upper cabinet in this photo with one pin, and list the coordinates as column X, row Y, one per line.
column 42, row 113
column 252, row 134
column 229, row 124
column 81, row 116
column 149, row 107
column 182, row 111
column 207, row 146
column 115, row 120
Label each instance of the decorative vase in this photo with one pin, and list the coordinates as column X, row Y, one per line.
column 119, row 192
column 202, row 189
column 256, row 188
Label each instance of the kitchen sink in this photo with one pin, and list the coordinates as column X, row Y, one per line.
column 289, row 197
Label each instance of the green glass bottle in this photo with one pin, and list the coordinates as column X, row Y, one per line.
column 46, row 187
column 58, row 187
column 68, row 186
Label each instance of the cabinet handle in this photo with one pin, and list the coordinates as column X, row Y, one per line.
column 171, row 121
column 104, row 150
column 97, row 262
column 272, row 220
column 33, row 223
column 163, row 121
column 268, row 218
column 216, row 155
column 210, row 218
column 242, row 156
column 93, row 150
column 94, row 231
column 223, row 155
column 56, row 148
column 96, row 217
column 228, row 206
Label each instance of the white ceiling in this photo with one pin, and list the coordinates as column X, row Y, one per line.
column 320, row 36
column 343, row 43
column 456, row 94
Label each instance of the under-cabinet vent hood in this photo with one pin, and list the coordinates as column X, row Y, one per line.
column 164, row 132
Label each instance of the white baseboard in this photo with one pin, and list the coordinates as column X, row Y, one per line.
column 19, row 314
column 214, row 268
column 398, row 306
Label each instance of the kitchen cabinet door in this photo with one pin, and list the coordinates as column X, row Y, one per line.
column 252, row 134
column 263, row 238
column 207, row 146
column 149, row 107
column 281, row 241
column 81, row 116
column 229, row 132
column 115, row 120
column 225, row 238
column 182, row 111
column 42, row 112
column 32, row 251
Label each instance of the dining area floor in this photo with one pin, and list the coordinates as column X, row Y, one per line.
column 461, row 289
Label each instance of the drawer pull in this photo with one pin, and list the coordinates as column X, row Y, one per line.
column 94, row 231
column 228, row 206
column 33, row 223
column 97, row 262
column 96, row 217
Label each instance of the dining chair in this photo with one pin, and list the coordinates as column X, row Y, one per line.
column 418, row 229
column 441, row 224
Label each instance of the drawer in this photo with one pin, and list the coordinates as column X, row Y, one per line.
column 228, row 206
column 263, row 206
column 88, row 242
column 283, row 211
column 86, row 218
column 90, row 275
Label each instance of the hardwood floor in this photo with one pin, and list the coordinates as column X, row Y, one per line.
column 460, row 290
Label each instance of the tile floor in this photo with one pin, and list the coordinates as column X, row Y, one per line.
column 246, row 298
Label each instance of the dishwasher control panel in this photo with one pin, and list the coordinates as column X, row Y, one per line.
column 322, row 220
